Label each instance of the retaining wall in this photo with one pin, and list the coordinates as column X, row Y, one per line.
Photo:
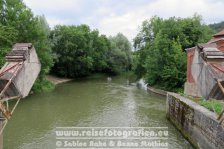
column 199, row 125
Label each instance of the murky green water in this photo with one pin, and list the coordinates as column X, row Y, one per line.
column 86, row 103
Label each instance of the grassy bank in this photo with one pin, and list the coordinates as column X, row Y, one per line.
column 213, row 105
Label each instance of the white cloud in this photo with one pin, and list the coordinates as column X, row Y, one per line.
column 41, row 6
column 112, row 16
column 55, row 21
column 128, row 23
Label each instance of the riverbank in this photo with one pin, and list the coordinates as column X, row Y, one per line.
column 57, row 80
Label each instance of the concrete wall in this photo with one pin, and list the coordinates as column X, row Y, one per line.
column 157, row 91
column 202, row 75
column 191, row 89
column 190, row 86
column 196, row 123
column 190, row 55
column 28, row 74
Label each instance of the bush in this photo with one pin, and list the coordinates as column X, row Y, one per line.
column 43, row 85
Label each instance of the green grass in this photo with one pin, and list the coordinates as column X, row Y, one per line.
column 212, row 105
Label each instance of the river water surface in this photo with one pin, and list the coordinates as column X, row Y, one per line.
column 86, row 103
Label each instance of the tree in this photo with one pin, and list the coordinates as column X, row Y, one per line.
column 79, row 51
column 120, row 56
column 160, row 49
column 7, row 38
column 100, row 46
column 21, row 25
column 166, row 64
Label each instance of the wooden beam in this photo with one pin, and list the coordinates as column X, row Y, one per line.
column 213, row 91
column 220, row 115
column 220, row 86
column 4, row 123
column 4, row 110
column 9, row 98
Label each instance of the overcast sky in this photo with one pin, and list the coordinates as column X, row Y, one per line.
column 125, row 16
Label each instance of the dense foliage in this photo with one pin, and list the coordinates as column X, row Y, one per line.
column 79, row 51
column 120, row 55
column 18, row 24
column 160, row 55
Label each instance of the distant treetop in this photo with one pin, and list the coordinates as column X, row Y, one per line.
column 217, row 26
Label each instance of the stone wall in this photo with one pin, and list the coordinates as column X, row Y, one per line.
column 196, row 123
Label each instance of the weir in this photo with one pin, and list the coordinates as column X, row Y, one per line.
column 17, row 77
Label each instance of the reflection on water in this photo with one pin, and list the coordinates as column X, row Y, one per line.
column 93, row 103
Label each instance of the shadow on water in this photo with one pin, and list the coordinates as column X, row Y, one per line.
column 92, row 102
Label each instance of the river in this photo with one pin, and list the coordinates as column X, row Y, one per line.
column 86, row 103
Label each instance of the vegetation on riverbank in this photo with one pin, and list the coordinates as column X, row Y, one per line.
column 213, row 105
column 43, row 85
column 160, row 57
column 78, row 51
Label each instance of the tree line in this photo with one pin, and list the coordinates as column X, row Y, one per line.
column 78, row 51
column 67, row 51
column 217, row 26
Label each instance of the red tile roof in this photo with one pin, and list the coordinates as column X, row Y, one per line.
column 221, row 33
column 207, row 45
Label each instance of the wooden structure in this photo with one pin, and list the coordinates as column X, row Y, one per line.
column 17, row 77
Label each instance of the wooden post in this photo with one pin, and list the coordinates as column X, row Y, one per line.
column 1, row 135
